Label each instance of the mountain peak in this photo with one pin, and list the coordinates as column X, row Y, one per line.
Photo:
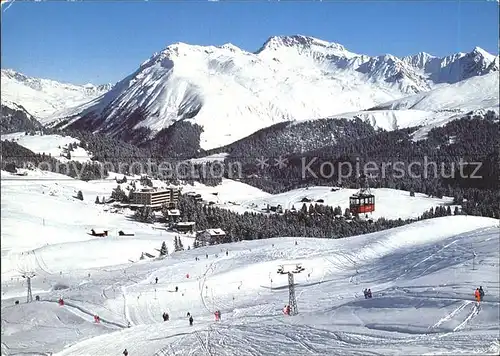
column 231, row 47
column 277, row 42
column 478, row 51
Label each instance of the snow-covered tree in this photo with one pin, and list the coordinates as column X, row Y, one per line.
column 119, row 195
column 178, row 244
column 144, row 214
column 163, row 249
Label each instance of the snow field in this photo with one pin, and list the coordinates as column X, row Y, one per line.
column 49, row 144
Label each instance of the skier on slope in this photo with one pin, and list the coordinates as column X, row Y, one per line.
column 191, row 320
column 286, row 310
column 477, row 295
column 125, row 352
column 217, row 315
column 481, row 293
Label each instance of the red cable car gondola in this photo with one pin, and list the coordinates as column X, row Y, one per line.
column 363, row 201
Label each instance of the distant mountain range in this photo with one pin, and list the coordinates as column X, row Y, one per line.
column 230, row 93
column 43, row 98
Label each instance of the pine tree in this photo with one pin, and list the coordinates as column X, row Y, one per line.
column 79, row 195
column 347, row 213
column 163, row 249
column 119, row 195
column 97, row 200
column 178, row 244
column 311, row 209
column 144, row 214
column 142, row 256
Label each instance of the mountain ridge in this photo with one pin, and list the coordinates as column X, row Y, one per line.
column 231, row 92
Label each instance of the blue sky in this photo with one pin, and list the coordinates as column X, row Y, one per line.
column 100, row 42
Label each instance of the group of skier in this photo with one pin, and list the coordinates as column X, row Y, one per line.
column 367, row 293
column 166, row 317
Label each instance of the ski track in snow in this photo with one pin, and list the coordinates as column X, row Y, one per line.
column 473, row 312
column 451, row 315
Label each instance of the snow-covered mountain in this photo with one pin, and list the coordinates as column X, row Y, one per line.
column 232, row 93
column 479, row 92
column 43, row 97
column 15, row 118
column 454, row 68
column 436, row 107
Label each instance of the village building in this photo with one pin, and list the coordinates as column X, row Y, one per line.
column 274, row 208
column 195, row 196
column 173, row 215
column 155, row 197
column 184, row 226
column 210, row 237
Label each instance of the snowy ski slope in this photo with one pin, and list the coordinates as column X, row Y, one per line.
column 421, row 275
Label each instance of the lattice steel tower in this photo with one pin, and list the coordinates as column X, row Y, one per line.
column 28, row 277
column 292, row 301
